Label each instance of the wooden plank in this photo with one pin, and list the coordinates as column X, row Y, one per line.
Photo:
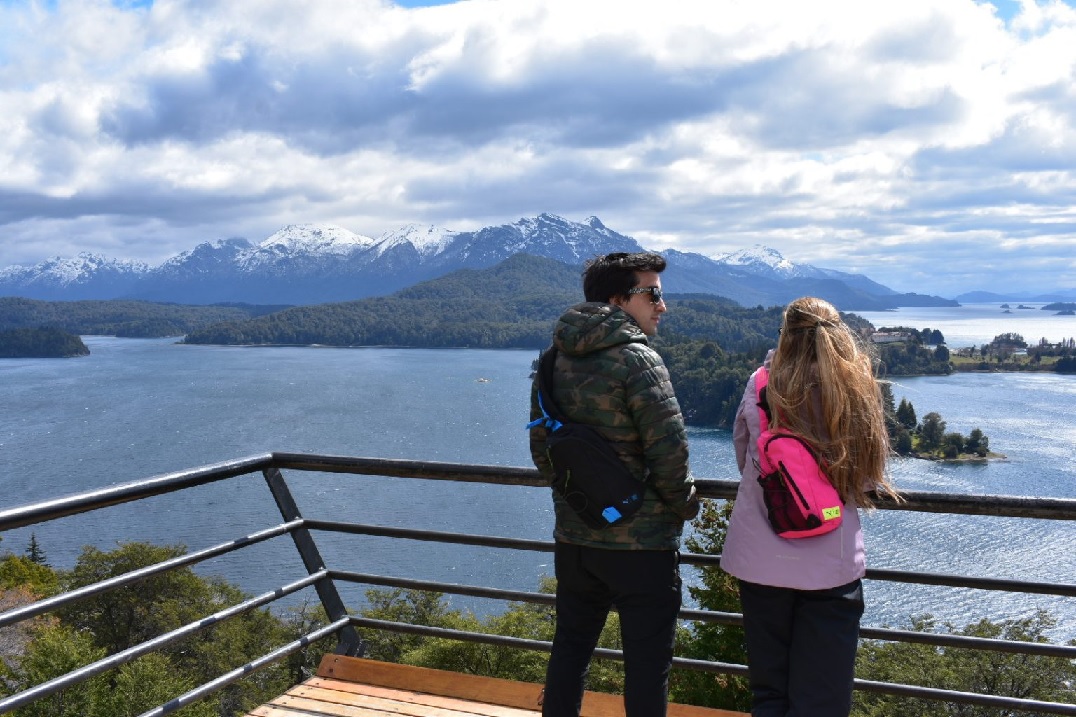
column 492, row 690
column 351, row 693
column 489, row 690
column 435, row 706
column 307, row 700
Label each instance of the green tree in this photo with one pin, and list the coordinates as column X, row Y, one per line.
column 962, row 669
column 903, row 442
column 34, row 551
column 414, row 607
column 710, row 640
column 906, row 414
column 17, row 571
column 892, row 423
column 298, row 621
column 977, row 443
column 932, row 431
column 1012, row 340
column 127, row 691
column 131, row 615
column 952, row 444
column 54, row 651
column 147, row 682
column 522, row 620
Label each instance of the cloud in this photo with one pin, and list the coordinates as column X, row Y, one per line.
column 911, row 138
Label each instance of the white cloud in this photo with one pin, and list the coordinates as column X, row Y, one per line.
column 931, row 141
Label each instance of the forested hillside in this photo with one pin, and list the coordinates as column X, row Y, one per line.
column 512, row 305
column 133, row 319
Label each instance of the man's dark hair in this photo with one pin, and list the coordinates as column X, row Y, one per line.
column 613, row 275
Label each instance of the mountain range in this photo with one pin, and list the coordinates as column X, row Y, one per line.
column 321, row 263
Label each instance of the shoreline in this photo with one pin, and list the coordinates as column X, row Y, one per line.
column 963, row 458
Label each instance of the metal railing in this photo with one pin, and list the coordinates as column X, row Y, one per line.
column 345, row 625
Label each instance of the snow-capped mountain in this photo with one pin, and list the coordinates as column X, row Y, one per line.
column 545, row 235
column 764, row 261
column 317, row 263
column 427, row 241
column 90, row 276
column 307, row 244
column 207, row 257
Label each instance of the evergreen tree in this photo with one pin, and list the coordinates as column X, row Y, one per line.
column 892, row 424
column 906, row 414
column 932, row 431
column 35, row 553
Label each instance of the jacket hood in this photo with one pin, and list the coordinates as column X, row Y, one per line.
column 594, row 326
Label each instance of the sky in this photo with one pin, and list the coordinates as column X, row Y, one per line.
column 929, row 144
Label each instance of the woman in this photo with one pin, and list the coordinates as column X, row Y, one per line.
column 803, row 598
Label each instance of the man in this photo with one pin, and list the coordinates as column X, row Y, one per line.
column 609, row 377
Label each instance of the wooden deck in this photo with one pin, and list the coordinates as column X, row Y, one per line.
column 355, row 687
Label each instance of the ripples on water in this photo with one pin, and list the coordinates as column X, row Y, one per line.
column 134, row 409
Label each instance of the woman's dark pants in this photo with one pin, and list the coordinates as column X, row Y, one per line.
column 645, row 587
column 801, row 648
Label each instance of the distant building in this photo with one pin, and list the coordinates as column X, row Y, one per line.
column 889, row 337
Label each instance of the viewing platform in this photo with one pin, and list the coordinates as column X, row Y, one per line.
column 350, row 686
column 347, row 684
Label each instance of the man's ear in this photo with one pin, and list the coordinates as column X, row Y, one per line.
column 616, row 301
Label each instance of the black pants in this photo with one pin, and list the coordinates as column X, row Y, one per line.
column 645, row 587
column 801, row 648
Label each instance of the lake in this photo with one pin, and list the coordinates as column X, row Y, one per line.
column 978, row 324
column 138, row 408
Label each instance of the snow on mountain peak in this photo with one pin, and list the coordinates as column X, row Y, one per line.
column 327, row 239
column 427, row 240
column 760, row 256
column 80, row 268
column 71, row 271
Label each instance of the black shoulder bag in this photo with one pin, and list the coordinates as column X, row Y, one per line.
column 588, row 472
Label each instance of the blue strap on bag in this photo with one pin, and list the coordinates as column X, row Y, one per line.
column 588, row 473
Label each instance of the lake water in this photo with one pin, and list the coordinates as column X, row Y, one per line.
column 978, row 324
column 138, row 408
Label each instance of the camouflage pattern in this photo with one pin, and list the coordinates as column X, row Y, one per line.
column 608, row 376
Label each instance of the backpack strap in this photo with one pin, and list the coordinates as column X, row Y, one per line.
column 551, row 418
column 762, row 380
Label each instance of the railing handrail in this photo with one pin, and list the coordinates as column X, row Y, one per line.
column 22, row 516
column 300, row 528
column 46, row 510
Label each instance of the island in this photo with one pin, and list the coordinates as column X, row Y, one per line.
column 40, row 343
column 929, row 438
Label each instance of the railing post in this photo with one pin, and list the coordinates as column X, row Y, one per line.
column 348, row 640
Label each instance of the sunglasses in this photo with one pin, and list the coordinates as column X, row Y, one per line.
column 655, row 293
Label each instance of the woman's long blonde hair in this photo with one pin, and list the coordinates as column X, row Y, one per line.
column 819, row 360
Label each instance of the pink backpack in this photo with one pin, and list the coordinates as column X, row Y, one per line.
column 800, row 500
